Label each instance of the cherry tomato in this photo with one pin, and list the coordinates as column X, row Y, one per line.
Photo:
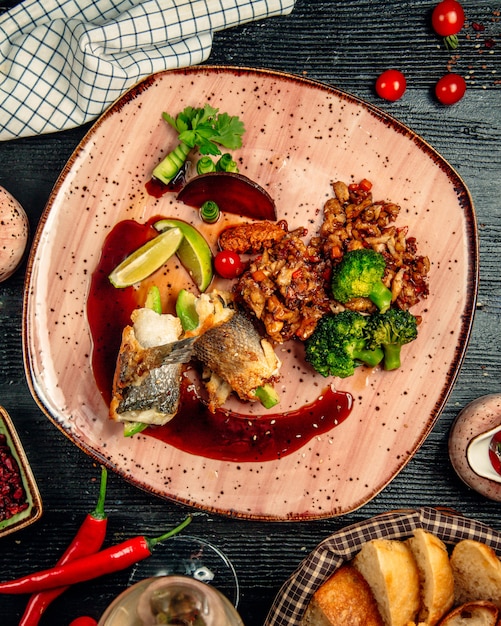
column 228, row 264
column 391, row 85
column 447, row 18
column 84, row 621
column 450, row 88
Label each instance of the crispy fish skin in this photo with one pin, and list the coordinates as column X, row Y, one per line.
column 142, row 394
column 236, row 354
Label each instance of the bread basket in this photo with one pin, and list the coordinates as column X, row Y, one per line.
column 294, row 596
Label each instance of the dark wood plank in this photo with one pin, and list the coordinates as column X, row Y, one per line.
column 344, row 44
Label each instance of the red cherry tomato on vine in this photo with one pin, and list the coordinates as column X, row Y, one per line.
column 450, row 88
column 84, row 621
column 447, row 18
column 228, row 264
column 391, row 85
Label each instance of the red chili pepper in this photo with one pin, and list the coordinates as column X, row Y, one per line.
column 259, row 276
column 88, row 540
column 365, row 184
column 92, row 566
column 336, row 252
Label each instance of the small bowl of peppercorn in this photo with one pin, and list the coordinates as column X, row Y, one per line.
column 20, row 501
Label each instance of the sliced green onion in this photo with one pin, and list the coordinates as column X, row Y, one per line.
column 227, row 164
column 169, row 166
column 133, row 428
column 205, row 165
column 267, row 395
column 209, row 212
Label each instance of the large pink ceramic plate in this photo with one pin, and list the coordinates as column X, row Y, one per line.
column 301, row 136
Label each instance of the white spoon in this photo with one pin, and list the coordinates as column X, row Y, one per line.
column 477, row 454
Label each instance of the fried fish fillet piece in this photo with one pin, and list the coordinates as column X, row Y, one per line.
column 140, row 393
column 235, row 357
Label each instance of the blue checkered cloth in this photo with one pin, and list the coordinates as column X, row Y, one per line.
column 63, row 62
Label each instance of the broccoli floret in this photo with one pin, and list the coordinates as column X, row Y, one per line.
column 339, row 344
column 391, row 330
column 359, row 274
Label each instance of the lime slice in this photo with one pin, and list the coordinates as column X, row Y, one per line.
column 194, row 251
column 146, row 259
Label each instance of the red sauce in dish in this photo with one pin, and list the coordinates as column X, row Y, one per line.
column 223, row 435
column 229, row 436
column 495, row 452
column 155, row 188
column 109, row 309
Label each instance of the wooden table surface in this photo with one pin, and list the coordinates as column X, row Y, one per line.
column 344, row 44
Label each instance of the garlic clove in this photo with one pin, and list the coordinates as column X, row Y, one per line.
column 14, row 234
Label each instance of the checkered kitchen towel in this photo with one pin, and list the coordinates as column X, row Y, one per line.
column 63, row 62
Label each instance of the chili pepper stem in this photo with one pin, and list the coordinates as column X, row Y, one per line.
column 153, row 541
column 99, row 512
column 451, row 42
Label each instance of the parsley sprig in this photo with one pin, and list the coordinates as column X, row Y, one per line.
column 203, row 128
